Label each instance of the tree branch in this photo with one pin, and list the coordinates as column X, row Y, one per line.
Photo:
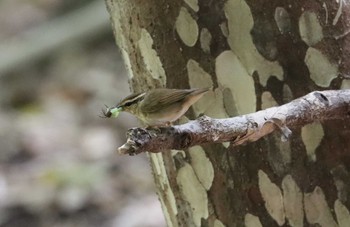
column 315, row 106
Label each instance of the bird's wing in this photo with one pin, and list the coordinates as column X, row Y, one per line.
column 163, row 98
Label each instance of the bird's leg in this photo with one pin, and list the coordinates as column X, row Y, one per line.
column 168, row 124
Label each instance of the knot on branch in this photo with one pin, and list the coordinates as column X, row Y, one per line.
column 321, row 97
column 204, row 121
column 151, row 139
column 136, row 138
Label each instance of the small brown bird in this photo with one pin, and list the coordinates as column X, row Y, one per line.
column 158, row 107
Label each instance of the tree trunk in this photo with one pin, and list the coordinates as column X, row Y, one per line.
column 255, row 54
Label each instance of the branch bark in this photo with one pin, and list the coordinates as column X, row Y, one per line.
column 315, row 106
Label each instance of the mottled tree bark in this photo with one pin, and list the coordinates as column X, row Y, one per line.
column 255, row 54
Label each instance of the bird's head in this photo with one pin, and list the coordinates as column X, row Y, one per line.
column 129, row 104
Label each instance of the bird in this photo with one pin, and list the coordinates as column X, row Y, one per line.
column 157, row 107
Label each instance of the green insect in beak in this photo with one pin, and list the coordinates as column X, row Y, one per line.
column 115, row 111
column 111, row 112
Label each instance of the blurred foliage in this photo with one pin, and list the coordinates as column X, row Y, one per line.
column 82, row 175
column 58, row 165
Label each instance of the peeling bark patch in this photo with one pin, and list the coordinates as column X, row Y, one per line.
column 218, row 223
column 339, row 12
column 180, row 152
column 202, row 166
column 117, row 20
column 345, row 84
column 212, row 102
column 312, row 135
column 226, row 144
column 205, row 39
column 217, row 109
column 187, row 28
column 282, row 19
column 224, row 29
column 267, row 100
column 293, row 201
column 272, row 196
column 232, row 74
column 198, row 78
column 317, row 210
column 240, row 24
column 229, row 102
column 167, row 199
column 193, row 4
column 127, row 63
column 284, row 155
column 150, row 57
column 251, row 221
column 193, row 192
column 342, row 213
column 322, row 72
column 310, row 28
column 287, row 94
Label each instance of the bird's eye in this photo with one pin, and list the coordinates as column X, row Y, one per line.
column 128, row 104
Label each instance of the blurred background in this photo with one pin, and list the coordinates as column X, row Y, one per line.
column 59, row 65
